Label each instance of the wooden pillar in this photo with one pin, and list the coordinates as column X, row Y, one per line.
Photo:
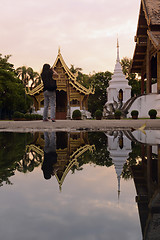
column 142, row 83
column 148, row 68
column 87, row 103
column 81, row 102
column 35, row 100
column 158, row 165
column 68, row 100
column 149, row 170
column 158, row 72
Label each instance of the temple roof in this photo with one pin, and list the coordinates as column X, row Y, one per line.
column 72, row 79
column 148, row 26
column 152, row 11
column 155, row 38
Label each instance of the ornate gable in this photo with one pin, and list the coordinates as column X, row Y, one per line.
column 66, row 75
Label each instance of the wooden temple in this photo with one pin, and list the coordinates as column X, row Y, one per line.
column 146, row 58
column 70, row 94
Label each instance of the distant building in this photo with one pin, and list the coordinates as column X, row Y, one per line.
column 70, row 93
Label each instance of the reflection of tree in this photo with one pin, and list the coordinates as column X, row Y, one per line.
column 12, row 150
column 100, row 156
column 33, row 154
column 132, row 160
column 14, row 155
column 29, row 161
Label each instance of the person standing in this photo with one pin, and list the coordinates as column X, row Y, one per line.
column 49, row 90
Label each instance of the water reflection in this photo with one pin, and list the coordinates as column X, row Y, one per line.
column 133, row 154
column 50, row 155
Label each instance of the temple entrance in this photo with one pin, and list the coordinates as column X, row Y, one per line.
column 120, row 95
column 61, row 105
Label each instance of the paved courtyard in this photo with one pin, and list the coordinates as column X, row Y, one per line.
column 73, row 125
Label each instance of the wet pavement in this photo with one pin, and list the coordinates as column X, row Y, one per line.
column 73, row 125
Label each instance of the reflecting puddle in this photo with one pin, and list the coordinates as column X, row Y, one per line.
column 80, row 185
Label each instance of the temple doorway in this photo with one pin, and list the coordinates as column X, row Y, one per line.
column 61, row 105
column 120, row 95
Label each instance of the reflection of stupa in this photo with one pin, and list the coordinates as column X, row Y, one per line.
column 119, row 147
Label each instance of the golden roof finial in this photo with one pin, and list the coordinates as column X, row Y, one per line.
column 59, row 50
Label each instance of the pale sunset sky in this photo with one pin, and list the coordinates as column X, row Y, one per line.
column 85, row 30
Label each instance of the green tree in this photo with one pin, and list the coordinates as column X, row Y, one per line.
column 4, row 64
column 132, row 78
column 100, row 82
column 12, row 92
column 82, row 78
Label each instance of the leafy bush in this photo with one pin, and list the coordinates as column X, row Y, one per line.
column 18, row 115
column 27, row 116
column 152, row 113
column 98, row 114
column 33, row 116
column 38, row 117
column 118, row 113
column 76, row 114
column 134, row 113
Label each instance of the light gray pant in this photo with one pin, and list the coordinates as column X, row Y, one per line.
column 50, row 142
column 49, row 99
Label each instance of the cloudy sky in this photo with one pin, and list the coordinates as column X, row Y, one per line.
column 86, row 208
column 85, row 30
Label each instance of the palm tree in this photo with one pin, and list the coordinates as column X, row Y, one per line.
column 23, row 74
column 27, row 75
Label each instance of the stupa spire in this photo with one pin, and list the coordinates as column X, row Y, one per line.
column 117, row 50
column 119, row 179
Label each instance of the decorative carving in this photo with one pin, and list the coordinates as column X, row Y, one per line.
column 110, row 108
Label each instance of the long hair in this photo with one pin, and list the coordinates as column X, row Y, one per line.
column 46, row 71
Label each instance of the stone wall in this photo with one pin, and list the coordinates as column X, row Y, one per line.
column 144, row 103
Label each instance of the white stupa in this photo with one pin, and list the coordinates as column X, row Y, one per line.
column 118, row 85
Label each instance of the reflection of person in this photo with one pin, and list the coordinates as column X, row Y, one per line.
column 50, row 155
column 49, row 89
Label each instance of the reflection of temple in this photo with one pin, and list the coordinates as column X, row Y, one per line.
column 119, row 147
column 69, row 147
column 147, row 182
column 73, row 146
